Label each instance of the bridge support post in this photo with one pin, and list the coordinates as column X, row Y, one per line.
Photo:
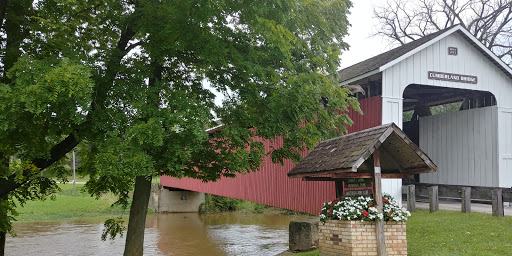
column 433, row 198
column 497, row 202
column 466, row 200
column 164, row 199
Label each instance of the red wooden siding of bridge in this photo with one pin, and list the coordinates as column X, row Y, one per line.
column 271, row 186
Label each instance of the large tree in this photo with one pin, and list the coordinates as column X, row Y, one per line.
column 126, row 79
column 490, row 21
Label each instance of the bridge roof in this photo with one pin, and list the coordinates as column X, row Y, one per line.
column 351, row 153
column 384, row 60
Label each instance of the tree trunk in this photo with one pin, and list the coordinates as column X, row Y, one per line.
column 137, row 222
column 2, row 243
column 3, row 215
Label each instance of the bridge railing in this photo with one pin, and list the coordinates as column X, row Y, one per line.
column 465, row 194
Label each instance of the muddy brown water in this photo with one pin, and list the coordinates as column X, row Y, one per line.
column 166, row 234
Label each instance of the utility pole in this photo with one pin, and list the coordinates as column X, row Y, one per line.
column 74, row 174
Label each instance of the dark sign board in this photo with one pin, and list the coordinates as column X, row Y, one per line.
column 357, row 187
column 452, row 77
column 452, row 51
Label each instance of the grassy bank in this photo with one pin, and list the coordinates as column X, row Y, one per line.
column 68, row 206
column 455, row 233
column 83, row 205
column 216, row 204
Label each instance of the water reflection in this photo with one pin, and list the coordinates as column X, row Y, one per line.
column 183, row 234
column 166, row 234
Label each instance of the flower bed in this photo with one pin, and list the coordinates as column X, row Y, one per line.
column 349, row 227
column 363, row 208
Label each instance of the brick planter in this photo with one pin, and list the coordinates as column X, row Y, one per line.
column 358, row 238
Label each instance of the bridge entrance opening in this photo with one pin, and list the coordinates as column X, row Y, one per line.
column 457, row 129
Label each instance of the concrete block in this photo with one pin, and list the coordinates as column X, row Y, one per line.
column 303, row 234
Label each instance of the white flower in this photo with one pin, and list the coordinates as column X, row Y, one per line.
column 177, row 129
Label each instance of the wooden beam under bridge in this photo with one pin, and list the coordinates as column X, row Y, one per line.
column 340, row 176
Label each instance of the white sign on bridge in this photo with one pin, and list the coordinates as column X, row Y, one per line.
column 452, row 77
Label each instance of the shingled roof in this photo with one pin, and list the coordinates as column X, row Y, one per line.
column 351, row 153
column 376, row 64
column 384, row 58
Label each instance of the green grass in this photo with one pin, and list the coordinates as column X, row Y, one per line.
column 456, row 233
column 78, row 178
column 310, row 253
column 68, row 206
column 69, row 178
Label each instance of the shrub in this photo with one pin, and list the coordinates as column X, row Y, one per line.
column 213, row 204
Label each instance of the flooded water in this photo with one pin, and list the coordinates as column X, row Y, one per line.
column 166, row 234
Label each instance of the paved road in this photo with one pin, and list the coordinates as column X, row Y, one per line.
column 455, row 206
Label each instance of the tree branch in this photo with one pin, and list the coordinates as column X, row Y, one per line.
column 488, row 20
column 132, row 46
column 506, row 20
column 57, row 152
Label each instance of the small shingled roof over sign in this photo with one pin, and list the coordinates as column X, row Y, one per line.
column 349, row 153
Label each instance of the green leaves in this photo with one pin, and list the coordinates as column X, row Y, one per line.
column 150, row 134
column 127, row 80
column 275, row 61
column 112, row 227
column 51, row 83
column 47, row 99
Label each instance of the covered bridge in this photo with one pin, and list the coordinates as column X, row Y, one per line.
column 411, row 86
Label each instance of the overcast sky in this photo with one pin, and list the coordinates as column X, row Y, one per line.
column 362, row 44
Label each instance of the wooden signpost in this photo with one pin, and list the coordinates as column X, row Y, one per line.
column 354, row 163
column 379, row 225
column 368, row 187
